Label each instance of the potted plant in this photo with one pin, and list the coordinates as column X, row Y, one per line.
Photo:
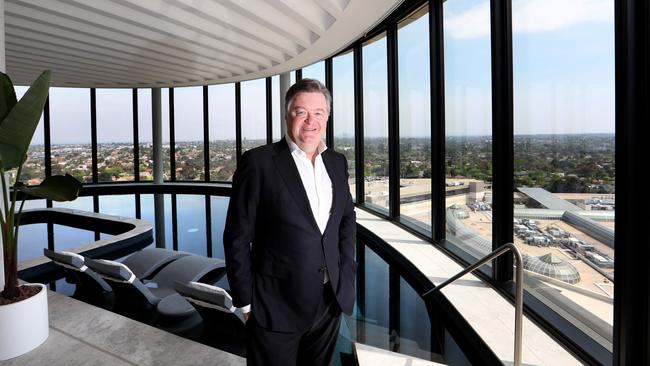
column 23, row 309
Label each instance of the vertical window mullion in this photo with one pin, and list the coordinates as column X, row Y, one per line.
column 172, row 138
column 238, row 145
column 329, row 84
column 358, row 127
column 206, row 135
column 93, row 133
column 437, row 87
column 269, row 111
column 502, row 132
column 47, row 142
column 136, row 138
column 393, row 122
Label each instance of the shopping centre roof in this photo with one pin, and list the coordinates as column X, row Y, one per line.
column 548, row 199
column 134, row 43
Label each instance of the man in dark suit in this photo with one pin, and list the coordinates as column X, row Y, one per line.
column 290, row 238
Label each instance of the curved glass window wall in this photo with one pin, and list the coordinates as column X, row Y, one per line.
column 563, row 147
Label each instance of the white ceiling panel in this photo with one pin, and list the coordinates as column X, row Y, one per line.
column 158, row 43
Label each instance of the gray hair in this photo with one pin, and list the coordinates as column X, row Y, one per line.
column 307, row 86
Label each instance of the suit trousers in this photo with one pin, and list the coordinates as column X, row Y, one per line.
column 314, row 346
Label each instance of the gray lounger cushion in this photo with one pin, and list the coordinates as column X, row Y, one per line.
column 76, row 262
column 69, row 259
column 206, row 295
column 112, row 270
column 146, row 261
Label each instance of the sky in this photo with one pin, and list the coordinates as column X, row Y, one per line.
column 563, row 61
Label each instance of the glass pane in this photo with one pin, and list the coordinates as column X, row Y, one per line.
column 70, row 133
column 315, row 71
column 145, row 134
column 219, row 207
column 223, row 150
column 191, row 224
column 66, row 237
column 415, row 325
column 564, row 159
column 343, row 112
column 188, row 133
column 468, row 126
column 253, row 113
column 118, row 205
column 147, row 210
column 33, row 170
column 414, row 119
column 376, row 300
column 32, row 238
column 375, row 123
column 115, row 134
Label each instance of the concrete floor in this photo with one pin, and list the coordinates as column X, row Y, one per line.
column 82, row 334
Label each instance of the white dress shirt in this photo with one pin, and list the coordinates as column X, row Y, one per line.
column 316, row 181
column 318, row 186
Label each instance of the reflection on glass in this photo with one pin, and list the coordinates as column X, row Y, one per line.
column 468, row 126
column 414, row 119
column 343, row 112
column 145, row 135
column 564, row 159
column 70, row 132
column 33, row 170
column 223, row 152
column 375, row 122
column 253, row 113
column 114, row 134
column 188, row 133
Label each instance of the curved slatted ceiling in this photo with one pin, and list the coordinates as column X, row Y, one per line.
column 158, row 43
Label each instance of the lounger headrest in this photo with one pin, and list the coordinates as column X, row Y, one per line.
column 111, row 269
column 69, row 258
column 212, row 295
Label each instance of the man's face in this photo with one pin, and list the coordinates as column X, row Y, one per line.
column 307, row 120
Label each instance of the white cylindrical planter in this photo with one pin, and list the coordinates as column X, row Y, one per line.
column 24, row 325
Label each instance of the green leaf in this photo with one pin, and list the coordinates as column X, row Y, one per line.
column 18, row 126
column 56, row 188
column 7, row 96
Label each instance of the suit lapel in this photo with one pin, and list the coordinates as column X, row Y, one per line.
column 287, row 169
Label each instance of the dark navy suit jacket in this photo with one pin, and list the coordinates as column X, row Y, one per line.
column 281, row 273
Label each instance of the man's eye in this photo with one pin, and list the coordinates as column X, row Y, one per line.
column 301, row 113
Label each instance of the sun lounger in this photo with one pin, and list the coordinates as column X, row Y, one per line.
column 159, row 291
column 204, row 296
column 85, row 277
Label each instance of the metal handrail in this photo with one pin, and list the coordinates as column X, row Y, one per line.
column 519, row 289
